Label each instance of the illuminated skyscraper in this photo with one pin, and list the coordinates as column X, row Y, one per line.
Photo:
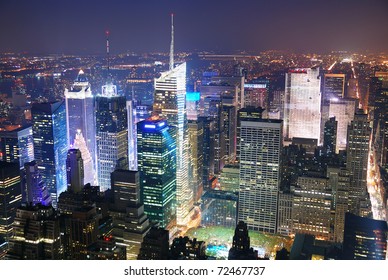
column 170, row 104
column 379, row 93
column 196, row 157
column 80, row 144
column 17, row 145
column 343, row 110
column 132, row 138
column 156, row 147
column 10, row 196
column 302, row 106
column 111, row 134
column 81, row 123
column 357, row 160
column 50, row 145
column 260, row 149
column 34, row 190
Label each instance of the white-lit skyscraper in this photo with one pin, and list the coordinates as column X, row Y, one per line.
column 170, row 104
column 302, row 106
column 81, row 129
column 111, row 134
column 343, row 109
column 260, row 149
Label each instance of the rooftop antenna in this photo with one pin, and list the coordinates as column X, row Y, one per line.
column 107, row 48
column 172, row 43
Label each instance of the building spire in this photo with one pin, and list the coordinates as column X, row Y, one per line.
column 107, row 48
column 172, row 43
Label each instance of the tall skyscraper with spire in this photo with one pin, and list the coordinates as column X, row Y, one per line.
column 81, row 129
column 170, row 104
column 111, row 130
column 111, row 134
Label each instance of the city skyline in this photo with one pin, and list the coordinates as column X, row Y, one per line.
column 70, row 27
column 141, row 154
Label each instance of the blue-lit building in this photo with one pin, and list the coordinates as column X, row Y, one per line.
column 50, row 145
column 17, row 144
column 111, row 134
column 34, row 190
column 156, row 146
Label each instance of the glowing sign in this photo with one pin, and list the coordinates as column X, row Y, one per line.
column 255, row 86
column 161, row 124
column 150, row 126
column 193, row 96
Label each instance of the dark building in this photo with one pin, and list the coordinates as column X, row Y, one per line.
column 130, row 224
column 74, row 170
column 241, row 249
column 330, row 137
column 307, row 247
column 37, row 234
column 364, row 239
column 82, row 230
column 208, row 150
column 183, row 248
column 155, row 245
column 10, row 196
column 106, row 248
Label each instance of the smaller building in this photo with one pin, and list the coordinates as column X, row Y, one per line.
column 155, row 245
column 364, row 239
column 37, row 234
column 106, row 248
column 241, row 249
column 184, row 248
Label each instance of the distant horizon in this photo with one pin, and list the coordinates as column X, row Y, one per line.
column 223, row 26
column 215, row 52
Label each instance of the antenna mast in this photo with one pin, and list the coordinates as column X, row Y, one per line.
column 107, row 48
column 172, row 43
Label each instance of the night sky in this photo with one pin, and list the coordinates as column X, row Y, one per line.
column 78, row 26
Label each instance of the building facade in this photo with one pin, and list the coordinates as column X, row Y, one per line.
column 260, row 149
